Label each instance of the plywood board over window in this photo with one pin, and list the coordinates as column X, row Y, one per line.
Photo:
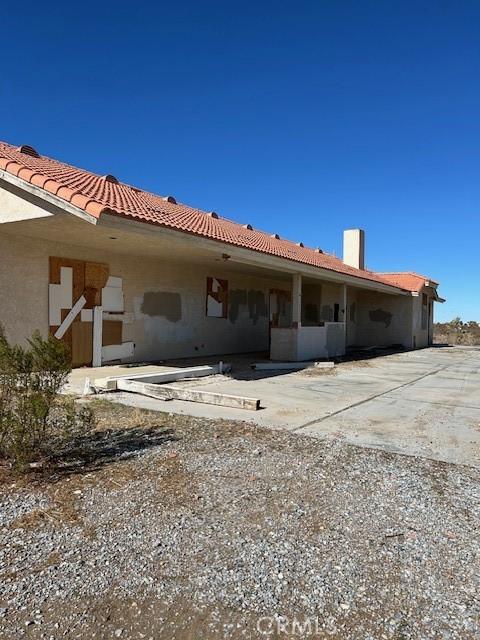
column 82, row 333
column 78, row 268
column 217, row 298
column 75, row 289
column 112, row 332
column 96, row 277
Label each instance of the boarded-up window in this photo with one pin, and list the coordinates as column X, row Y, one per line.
column 217, row 298
column 76, row 288
column 71, row 281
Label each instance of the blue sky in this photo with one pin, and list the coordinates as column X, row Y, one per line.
column 302, row 118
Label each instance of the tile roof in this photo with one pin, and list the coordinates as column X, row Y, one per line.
column 407, row 280
column 104, row 194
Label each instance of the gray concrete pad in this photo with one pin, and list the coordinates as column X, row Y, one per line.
column 424, row 403
column 76, row 380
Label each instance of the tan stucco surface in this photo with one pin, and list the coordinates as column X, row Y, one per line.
column 383, row 320
column 165, row 289
column 181, row 328
column 24, row 280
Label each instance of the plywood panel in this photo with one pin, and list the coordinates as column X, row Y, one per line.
column 96, row 277
column 112, row 332
column 82, row 343
column 60, row 296
column 67, row 338
column 88, row 279
column 217, row 298
column 78, row 267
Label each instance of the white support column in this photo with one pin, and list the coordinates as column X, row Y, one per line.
column 97, row 336
column 297, row 300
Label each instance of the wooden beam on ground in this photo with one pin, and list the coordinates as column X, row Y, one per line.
column 277, row 366
column 160, row 377
column 167, row 392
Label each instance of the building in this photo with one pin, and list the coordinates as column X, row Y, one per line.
column 122, row 274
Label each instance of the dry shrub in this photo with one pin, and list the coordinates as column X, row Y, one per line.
column 35, row 422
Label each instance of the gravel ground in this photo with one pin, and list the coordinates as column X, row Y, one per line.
column 173, row 527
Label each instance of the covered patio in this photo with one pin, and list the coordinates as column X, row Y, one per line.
column 123, row 275
column 177, row 295
column 330, row 317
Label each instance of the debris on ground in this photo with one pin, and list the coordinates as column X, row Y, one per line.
column 169, row 526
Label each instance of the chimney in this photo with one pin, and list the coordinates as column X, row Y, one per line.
column 354, row 248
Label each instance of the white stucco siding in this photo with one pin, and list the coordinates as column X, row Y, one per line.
column 422, row 322
column 164, row 301
column 14, row 208
column 383, row 320
column 24, row 275
column 352, row 316
column 331, row 296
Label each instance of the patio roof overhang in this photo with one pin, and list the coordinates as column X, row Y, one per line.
column 169, row 241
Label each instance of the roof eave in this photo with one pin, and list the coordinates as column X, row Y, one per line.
column 110, row 217
column 61, row 204
column 247, row 256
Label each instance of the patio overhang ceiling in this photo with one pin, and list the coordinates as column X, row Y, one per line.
column 238, row 255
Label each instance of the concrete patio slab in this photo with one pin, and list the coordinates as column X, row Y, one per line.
column 424, row 403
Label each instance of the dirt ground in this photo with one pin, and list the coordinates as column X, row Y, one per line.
column 169, row 526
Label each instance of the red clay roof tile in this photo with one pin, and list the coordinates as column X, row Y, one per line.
column 407, row 280
column 96, row 195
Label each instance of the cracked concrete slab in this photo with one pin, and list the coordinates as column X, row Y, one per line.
column 423, row 403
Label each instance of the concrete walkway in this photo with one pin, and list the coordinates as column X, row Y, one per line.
column 424, row 403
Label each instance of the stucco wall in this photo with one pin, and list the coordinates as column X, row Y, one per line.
column 311, row 304
column 421, row 323
column 165, row 303
column 331, row 295
column 383, row 320
column 318, row 303
column 284, row 344
column 352, row 316
column 311, row 343
column 157, row 330
column 308, row 343
column 13, row 207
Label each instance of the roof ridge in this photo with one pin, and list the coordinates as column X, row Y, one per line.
column 398, row 273
column 409, row 273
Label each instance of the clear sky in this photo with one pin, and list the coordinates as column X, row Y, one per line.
column 301, row 118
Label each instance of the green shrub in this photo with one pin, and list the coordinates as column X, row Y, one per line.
column 35, row 422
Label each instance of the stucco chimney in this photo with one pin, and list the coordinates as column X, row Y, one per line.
column 354, row 248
